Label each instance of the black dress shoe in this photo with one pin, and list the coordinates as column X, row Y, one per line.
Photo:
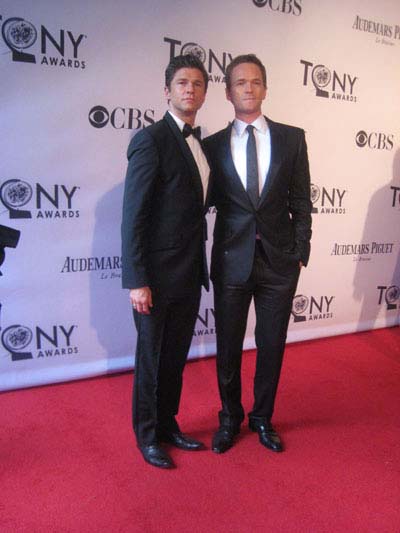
column 156, row 456
column 268, row 436
column 223, row 439
column 178, row 439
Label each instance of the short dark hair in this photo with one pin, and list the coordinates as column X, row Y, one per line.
column 184, row 61
column 246, row 58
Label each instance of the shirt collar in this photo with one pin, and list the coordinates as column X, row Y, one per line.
column 179, row 122
column 260, row 124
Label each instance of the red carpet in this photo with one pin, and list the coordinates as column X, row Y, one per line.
column 69, row 463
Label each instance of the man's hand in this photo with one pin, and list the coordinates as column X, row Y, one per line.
column 141, row 300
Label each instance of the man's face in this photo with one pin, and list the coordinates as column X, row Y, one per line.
column 187, row 92
column 247, row 90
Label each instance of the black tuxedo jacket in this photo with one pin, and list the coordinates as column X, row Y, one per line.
column 163, row 220
column 282, row 217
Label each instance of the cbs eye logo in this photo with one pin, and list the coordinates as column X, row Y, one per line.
column 121, row 117
column 361, row 138
column 99, row 116
column 287, row 6
column 374, row 140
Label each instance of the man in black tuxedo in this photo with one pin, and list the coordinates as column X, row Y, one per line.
column 163, row 255
column 261, row 240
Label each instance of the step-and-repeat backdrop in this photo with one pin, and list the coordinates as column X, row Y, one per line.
column 78, row 79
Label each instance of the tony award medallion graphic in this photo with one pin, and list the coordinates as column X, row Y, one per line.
column 19, row 34
column 321, row 76
column 300, row 304
column 15, row 339
column 14, row 194
column 195, row 50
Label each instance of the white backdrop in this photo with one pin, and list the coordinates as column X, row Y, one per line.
column 78, row 78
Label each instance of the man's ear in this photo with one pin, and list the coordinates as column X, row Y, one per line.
column 167, row 94
column 228, row 94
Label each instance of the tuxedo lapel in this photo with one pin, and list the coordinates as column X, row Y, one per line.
column 210, row 177
column 187, row 155
column 276, row 160
column 229, row 168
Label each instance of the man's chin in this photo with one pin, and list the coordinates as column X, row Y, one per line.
column 251, row 108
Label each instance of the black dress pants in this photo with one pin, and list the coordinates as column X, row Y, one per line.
column 273, row 294
column 163, row 342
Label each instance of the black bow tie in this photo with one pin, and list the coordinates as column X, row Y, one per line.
column 188, row 130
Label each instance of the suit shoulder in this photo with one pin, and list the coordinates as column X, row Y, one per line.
column 217, row 135
column 154, row 130
column 287, row 128
column 147, row 136
column 215, row 138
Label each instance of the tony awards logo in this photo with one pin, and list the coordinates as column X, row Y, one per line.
column 307, row 308
column 55, row 201
column 24, row 343
column 328, row 83
column 327, row 201
column 214, row 62
column 52, row 48
column 389, row 296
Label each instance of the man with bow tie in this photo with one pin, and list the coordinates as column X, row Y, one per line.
column 261, row 240
column 163, row 255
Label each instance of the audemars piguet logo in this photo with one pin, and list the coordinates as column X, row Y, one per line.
column 365, row 251
column 109, row 267
column 382, row 32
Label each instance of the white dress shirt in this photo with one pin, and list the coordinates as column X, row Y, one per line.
column 198, row 155
column 239, row 138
